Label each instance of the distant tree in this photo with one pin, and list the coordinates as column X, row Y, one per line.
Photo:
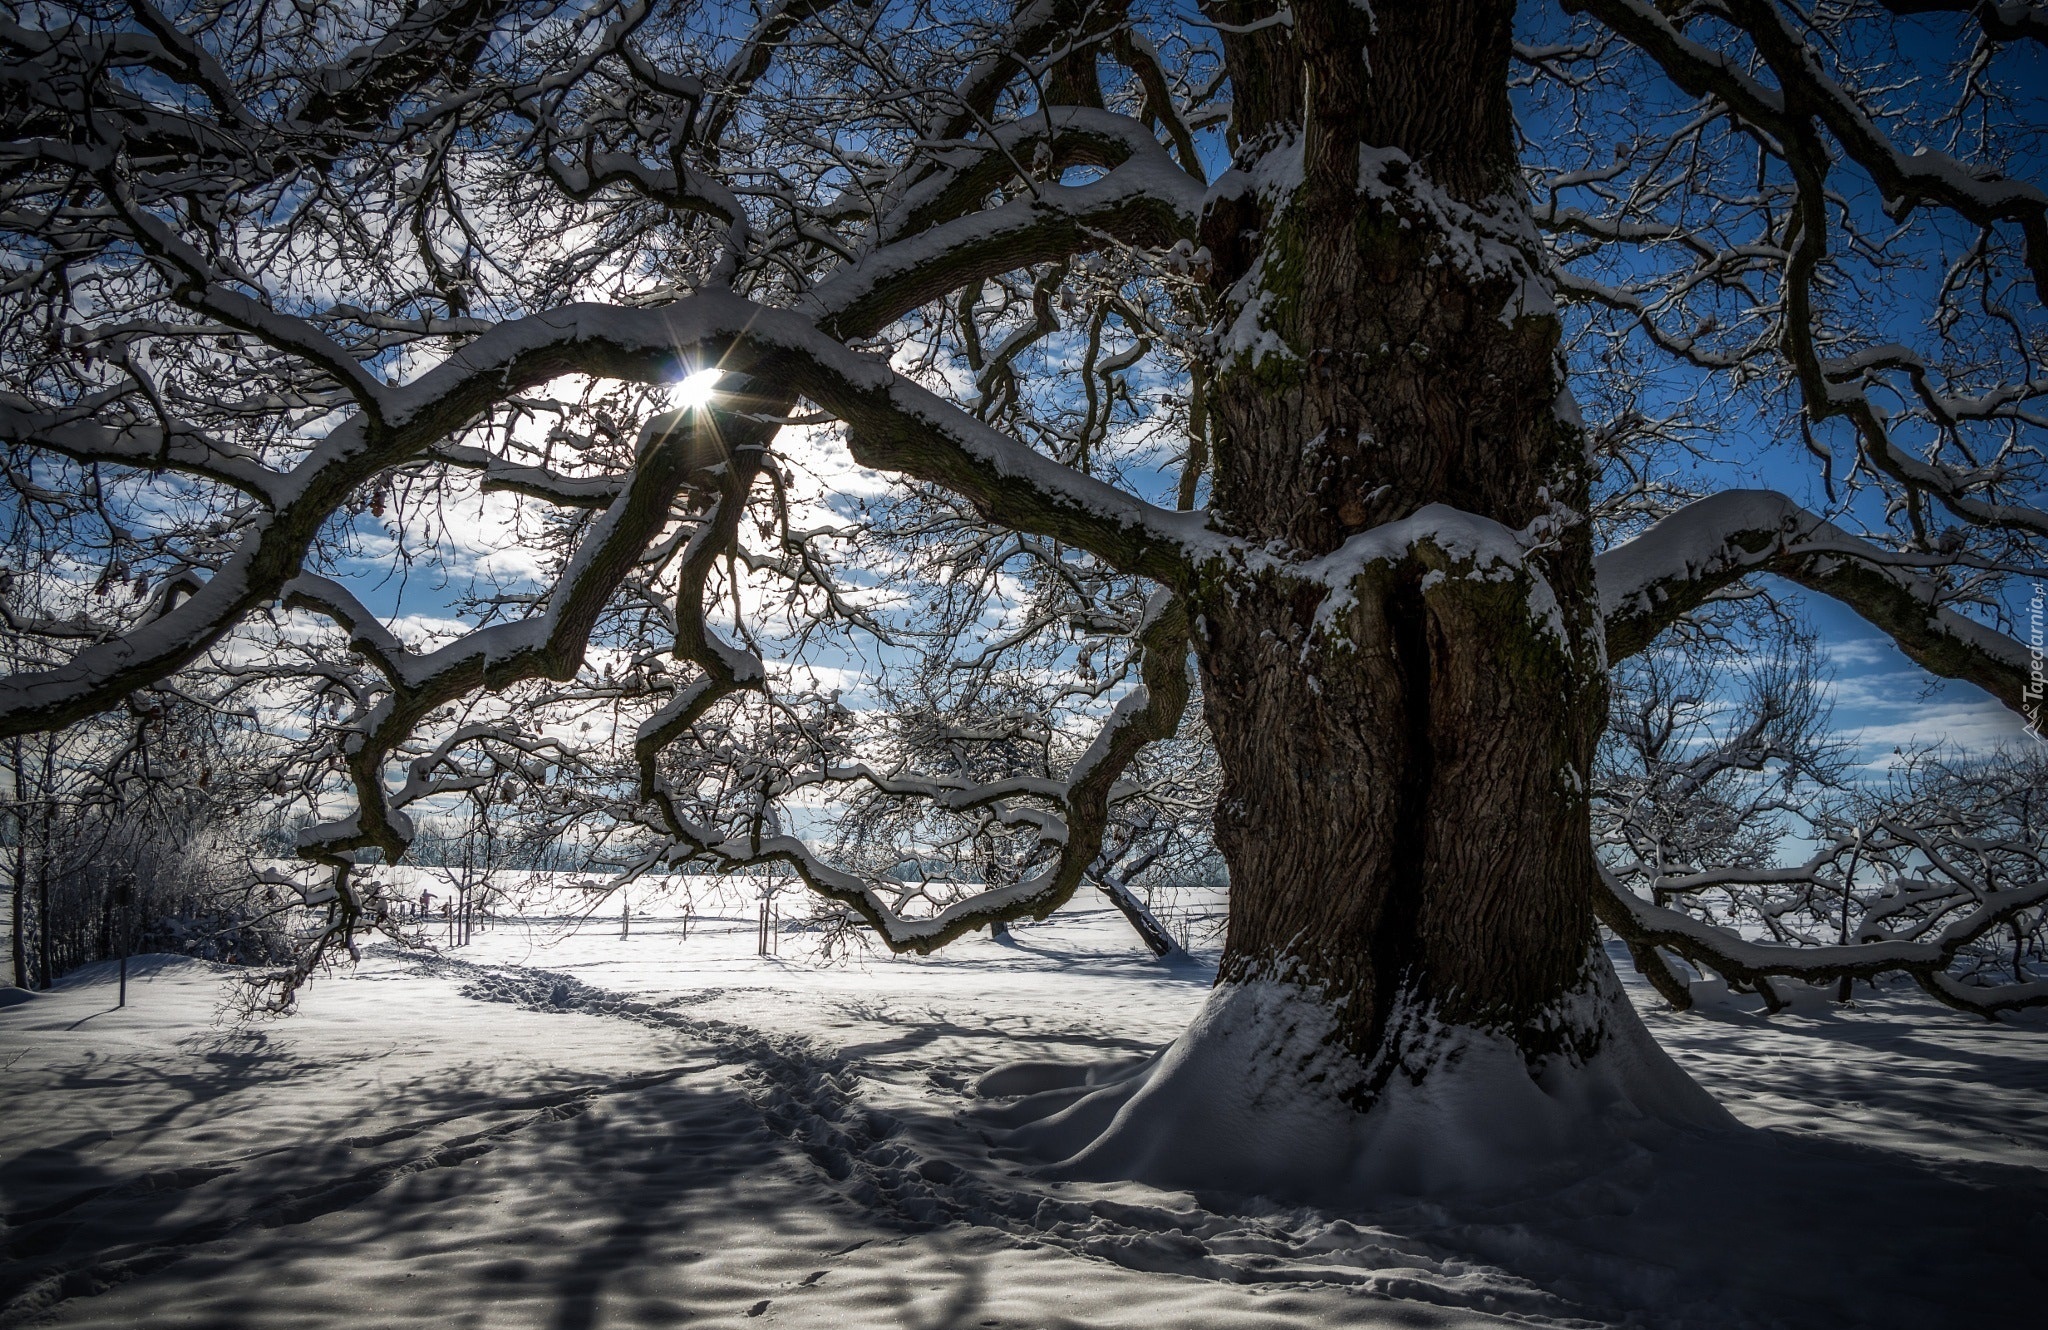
column 1935, row 872
column 131, row 832
column 1373, row 358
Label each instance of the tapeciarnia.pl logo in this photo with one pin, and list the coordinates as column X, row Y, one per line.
column 2037, row 660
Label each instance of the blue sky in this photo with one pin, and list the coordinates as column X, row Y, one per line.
column 1884, row 701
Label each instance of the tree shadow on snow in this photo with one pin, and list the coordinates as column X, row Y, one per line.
column 557, row 1197
column 1772, row 1227
column 668, row 1195
column 1733, row 1228
column 1887, row 1035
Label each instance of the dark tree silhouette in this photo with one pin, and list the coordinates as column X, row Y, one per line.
column 275, row 272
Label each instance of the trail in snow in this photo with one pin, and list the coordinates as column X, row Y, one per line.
column 1664, row 1238
column 922, row 1179
column 575, row 1130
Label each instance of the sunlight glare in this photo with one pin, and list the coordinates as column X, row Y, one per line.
column 698, row 387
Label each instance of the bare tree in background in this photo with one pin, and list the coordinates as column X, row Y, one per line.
column 1255, row 338
column 1937, row 873
column 132, row 831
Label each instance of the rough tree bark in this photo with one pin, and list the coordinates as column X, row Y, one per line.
column 1404, row 803
column 1405, row 701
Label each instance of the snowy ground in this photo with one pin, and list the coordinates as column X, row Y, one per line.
column 570, row 1130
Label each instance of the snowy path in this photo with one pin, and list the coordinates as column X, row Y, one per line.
column 584, row 1131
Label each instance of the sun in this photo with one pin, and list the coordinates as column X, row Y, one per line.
column 698, row 388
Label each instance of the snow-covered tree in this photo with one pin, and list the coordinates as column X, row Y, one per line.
column 1356, row 369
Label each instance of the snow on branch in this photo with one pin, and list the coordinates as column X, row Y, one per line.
column 895, row 424
column 538, row 482
column 1648, row 583
column 1145, row 200
column 76, row 435
column 1843, row 201
column 1805, row 90
column 1939, row 916
column 261, row 204
column 551, row 644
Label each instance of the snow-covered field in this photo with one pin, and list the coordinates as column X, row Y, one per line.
column 559, row 1128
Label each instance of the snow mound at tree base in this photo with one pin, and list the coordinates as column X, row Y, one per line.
column 1250, row 1100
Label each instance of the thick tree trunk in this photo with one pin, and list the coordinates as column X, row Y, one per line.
column 1404, row 812
column 1406, row 697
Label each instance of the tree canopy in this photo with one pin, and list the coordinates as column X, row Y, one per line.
column 359, row 382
